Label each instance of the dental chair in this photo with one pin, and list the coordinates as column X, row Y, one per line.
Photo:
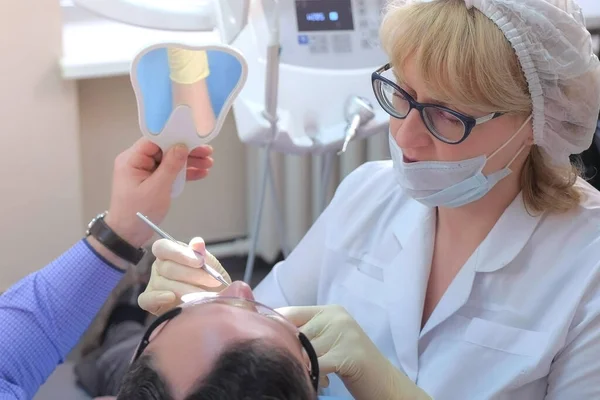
column 62, row 385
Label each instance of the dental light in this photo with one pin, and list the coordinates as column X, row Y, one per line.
column 226, row 16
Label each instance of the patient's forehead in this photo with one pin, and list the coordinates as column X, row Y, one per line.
column 186, row 347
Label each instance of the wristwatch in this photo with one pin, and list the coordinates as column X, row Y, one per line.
column 99, row 229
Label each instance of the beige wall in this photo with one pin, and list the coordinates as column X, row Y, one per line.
column 40, row 175
column 59, row 139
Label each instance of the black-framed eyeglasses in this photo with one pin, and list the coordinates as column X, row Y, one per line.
column 313, row 368
column 445, row 124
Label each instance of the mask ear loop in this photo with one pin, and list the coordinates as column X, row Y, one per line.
column 510, row 140
column 515, row 157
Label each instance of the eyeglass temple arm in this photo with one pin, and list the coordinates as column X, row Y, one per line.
column 383, row 68
column 314, row 361
column 488, row 117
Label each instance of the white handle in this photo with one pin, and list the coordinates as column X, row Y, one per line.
column 179, row 183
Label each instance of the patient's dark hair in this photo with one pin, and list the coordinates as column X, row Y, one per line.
column 249, row 370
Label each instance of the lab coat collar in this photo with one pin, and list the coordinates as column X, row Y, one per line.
column 512, row 232
column 410, row 218
column 504, row 242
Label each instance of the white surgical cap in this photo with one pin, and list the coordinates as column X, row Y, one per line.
column 563, row 73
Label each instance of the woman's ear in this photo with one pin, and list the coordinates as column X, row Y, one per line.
column 529, row 141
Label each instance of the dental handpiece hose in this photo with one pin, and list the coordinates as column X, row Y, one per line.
column 270, row 114
column 271, row 98
column 272, row 70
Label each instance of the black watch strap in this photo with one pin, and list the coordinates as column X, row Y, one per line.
column 100, row 230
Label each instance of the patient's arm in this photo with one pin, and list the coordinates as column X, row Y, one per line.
column 44, row 315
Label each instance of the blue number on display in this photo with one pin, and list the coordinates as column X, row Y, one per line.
column 316, row 16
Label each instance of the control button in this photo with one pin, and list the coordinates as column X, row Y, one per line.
column 303, row 39
column 363, row 23
column 367, row 41
column 318, row 49
column 342, row 43
column 319, row 44
column 361, row 7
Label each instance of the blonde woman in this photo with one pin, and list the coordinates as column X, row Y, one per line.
column 471, row 261
column 189, row 71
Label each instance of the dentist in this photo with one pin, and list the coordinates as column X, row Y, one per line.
column 471, row 260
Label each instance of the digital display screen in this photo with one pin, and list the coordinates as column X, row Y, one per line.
column 324, row 15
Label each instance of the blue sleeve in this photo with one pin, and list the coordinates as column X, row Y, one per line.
column 43, row 316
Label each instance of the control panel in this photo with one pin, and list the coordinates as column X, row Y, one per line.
column 331, row 34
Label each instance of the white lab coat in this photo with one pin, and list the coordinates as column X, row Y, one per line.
column 521, row 320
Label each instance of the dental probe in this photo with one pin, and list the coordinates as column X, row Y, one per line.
column 210, row 270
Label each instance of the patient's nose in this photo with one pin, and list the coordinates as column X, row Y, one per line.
column 238, row 289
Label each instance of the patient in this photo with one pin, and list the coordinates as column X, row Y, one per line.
column 221, row 347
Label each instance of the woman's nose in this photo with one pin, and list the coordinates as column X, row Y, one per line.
column 411, row 132
column 238, row 289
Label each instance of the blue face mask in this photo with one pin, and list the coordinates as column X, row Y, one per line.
column 448, row 184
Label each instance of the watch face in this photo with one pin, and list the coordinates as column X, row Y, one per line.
column 93, row 221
